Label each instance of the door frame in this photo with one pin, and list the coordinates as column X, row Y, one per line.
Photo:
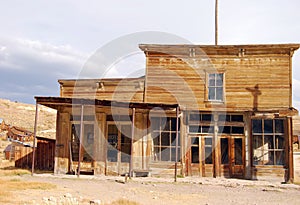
column 231, row 167
column 119, row 164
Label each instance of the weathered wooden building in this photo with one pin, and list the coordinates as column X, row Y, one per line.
column 217, row 110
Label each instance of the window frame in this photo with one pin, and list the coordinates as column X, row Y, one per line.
column 265, row 149
column 157, row 135
column 215, row 87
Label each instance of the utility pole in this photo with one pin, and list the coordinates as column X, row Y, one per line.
column 216, row 23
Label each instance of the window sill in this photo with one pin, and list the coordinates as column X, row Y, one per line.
column 214, row 102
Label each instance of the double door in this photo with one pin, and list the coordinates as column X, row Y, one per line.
column 232, row 156
column 224, row 156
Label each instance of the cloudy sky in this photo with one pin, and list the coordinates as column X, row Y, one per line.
column 43, row 41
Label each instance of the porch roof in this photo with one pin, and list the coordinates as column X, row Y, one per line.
column 56, row 102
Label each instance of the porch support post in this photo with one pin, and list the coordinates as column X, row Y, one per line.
column 34, row 140
column 176, row 144
column 131, row 144
column 290, row 177
column 80, row 140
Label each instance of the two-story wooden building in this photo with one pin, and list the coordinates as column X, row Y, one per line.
column 219, row 110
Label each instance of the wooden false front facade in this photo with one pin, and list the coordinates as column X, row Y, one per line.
column 234, row 120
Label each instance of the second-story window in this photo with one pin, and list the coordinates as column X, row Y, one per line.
column 215, row 87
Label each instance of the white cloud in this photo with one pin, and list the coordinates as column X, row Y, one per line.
column 31, row 67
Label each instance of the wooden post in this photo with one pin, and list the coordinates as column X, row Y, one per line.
column 131, row 151
column 80, row 140
column 34, row 140
column 290, row 178
column 176, row 144
column 216, row 23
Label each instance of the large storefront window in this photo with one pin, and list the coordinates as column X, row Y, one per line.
column 164, row 138
column 268, row 141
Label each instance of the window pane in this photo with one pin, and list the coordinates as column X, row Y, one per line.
column 237, row 130
column 207, row 117
column 156, row 153
column 173, row 154
column 165, row 139
column 222, row 118
column 257, row 141
column 208, row 141
column 165, row 154
column 165, row 124
column 195, row 154
column 173, row 124
column 173, row 139
column 219, row 94
column 279, row 126
column 208, row 155
column 156, row 137
column 257, row 150
column 225, row 129
column 269, row 142
column 269, row 159
column 256, row 126
column 212, row 80
column 211, row 94
column 155, row 123
column 219, row 79
column 257, row 157
column 112, row 154
column 268, row 126
column 279, row 158
column 238, row 154
column 237, row 118
column 207, row 129
column 194, row 129
column 195, row 141
column 195, row 117
column 279, row 142
column 224, row 151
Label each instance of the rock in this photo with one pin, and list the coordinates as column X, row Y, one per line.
column 68, row 195
column 96, row 202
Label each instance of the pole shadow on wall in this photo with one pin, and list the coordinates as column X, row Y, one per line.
column 255, row 92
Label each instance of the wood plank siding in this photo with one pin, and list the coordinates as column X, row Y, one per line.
column 234, row 106
column 256, row 77
column 128, row 90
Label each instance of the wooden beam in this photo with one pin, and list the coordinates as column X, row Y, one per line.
column 132, row 137
column 34, row 140
column 176, row 144
column 80, row 140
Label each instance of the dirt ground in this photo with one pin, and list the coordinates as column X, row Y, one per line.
column 149, row 191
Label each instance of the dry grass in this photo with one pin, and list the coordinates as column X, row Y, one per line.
column 11, row 171
column 124, row 202
column 8, row 187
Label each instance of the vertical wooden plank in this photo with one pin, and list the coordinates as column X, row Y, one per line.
column 248, row 146
column 131, row 143
column 290, row 177
column 80, row 140
column 34, row 140
column 176, row 143
column 149, row 144
column 216, row 149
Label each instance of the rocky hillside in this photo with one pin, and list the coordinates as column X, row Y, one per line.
column 23, row 115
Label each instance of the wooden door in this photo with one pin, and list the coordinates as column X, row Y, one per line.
column 118, row 148
column 232, row 156
column 201, row 156
column 237, row 157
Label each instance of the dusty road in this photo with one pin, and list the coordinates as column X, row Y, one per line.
column 150, row 191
